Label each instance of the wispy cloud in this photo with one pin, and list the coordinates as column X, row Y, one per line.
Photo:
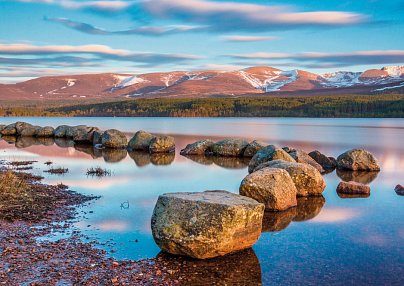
column 102, row 6
column 240, row 38
column 142, row 30
column 96, row 51
column 323, row 60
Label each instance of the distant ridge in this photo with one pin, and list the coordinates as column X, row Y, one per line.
column 259, row 80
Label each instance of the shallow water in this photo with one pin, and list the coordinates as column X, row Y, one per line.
column 330, row 240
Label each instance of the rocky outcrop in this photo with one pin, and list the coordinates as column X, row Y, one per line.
column 358, row 160
column 307, row 179
column 140, row 141
column 229, row 148
column 209, row 224
column 353, row 188
column 113, row 138
column 198, row 148
column 9, row 130
column 46, row 131
column 272, row 187
column 266, row 154
column 328, row 163
column 302, row 157
column 252, row 148
column 162, row 144
column 399, row 189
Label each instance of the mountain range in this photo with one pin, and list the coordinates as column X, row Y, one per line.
column 259, row 80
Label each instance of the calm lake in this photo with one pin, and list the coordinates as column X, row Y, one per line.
column 330, row 240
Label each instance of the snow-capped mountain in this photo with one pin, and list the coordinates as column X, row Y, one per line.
column 249, row 81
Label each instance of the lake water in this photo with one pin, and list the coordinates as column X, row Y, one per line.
column 330, row 240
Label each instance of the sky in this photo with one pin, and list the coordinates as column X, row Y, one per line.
column 50, row 37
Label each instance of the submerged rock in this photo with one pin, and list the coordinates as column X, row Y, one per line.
column 352, row 188
column 252, row 148
column 229, row 148
column 399, row 190
column 302, row 157
column 198, row 148
column 162, row 144
column 140, row 141
column 115, row 139
column 326, row 162
column 272, row 187
column 46, row 131
column 358, row 160
column 266, row 154
column 209, row 224
column 307, row 179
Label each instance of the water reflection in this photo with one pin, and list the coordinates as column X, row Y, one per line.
column 224, row 162
column 307, row 208
column 352, row 196
column 141, row 159
column 242, row 268
column 113, row 155
column 363, row 177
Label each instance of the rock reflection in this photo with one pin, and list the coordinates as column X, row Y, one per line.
column 277, row 221
column 88, row 149
column 224, row 162
column 9, row 139
column 308, row 207
column 141, row 159
column 161, row 159
column 25, row 142
column 64, row 143
column 362, row 177
column 46, row 141
column 113, row 155
column 352, row 196
column 241, row 268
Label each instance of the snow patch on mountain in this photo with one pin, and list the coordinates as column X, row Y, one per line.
column 124, row 81
column 272, row 82
column 394, row 71
column 390, row 87
column 340, row 79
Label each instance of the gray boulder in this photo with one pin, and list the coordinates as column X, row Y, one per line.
column 272, row 187
column 252, row 148
column 198, row 148
column 162, row 144
column 29, row 131
column 140, row 141
column 326, row 162
column 113, row 138
column 266, row 154
column 9, row 130
column 307, row 179
column 46, row 131
column 358, row 160
column 302, row 157
column 229, row 148
column 207, row 224
column 60, row 131
column 84, row 134
column 20, row 126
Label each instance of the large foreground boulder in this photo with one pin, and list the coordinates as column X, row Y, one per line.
column 272, row 187
column 358, row 160
column 307, row 179
column 162, row 144
column 46, row 131
column 207, row 224
column 229, row 148
column 252, row 148
column 113, row 138
column 266, row 154
column 302, row 157
column 140, row 141
column 326, row 162
column 198, row 148
column 353, row 188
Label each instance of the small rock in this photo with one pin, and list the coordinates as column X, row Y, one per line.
column 113, row 138
column 9, row 130
column 326, row 162
column 140, row 141
column 46, row 131
column 399, row 190
column 162, row 144
column 358, row 160
column 352, row 188
column 272, row 187
column 266, row 154
column 252, row 148
column 198, row 148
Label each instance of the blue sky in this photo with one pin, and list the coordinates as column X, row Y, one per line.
column 49, row 37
